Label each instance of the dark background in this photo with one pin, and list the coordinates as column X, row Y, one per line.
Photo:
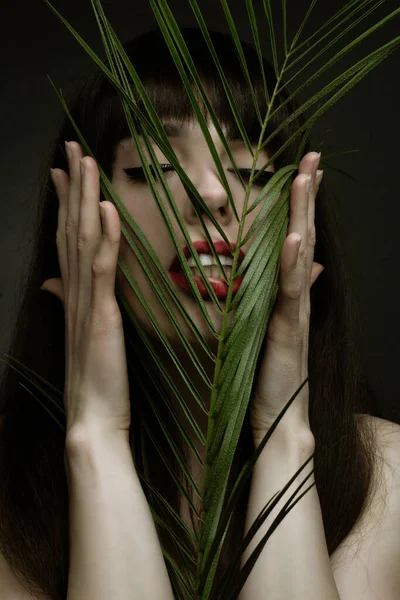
column 36, row 44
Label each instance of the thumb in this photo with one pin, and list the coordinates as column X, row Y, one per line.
column 55, row 287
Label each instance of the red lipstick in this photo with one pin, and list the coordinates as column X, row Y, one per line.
column 219, row 286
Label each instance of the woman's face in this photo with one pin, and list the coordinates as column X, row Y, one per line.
column 196, row 160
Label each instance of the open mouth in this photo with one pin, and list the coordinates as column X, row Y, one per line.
column 217, row 283
column 202, row 247
column 219, row 286
column 212, row 271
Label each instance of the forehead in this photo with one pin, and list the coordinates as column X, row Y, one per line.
column 184, row 131
column 175, row 129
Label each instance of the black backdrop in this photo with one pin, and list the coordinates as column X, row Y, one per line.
column 36, row 44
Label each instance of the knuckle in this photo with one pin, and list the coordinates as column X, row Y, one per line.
column 82, row 241
column 70, row 227
column 87, row 240
column 114, row 237
column 312, row 236
column 300, row 182
column 302, row 257
column 293, row 291
column 99, row 268
column 60, row 238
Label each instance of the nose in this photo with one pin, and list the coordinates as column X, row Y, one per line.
column 213, row 194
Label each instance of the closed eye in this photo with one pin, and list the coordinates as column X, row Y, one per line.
column 138, row 174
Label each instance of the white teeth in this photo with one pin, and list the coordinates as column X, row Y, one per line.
column 208, row 260
column 213, row 271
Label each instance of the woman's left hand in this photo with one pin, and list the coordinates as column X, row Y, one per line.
column 284, row 364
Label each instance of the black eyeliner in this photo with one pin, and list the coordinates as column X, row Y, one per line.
column 137, row 173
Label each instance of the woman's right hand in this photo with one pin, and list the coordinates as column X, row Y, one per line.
column 96, row 393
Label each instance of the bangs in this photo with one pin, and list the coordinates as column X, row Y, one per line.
column 162, row 82
column 158, row 73
column 171, row 103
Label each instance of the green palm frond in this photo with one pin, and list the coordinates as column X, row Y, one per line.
column 239, row 345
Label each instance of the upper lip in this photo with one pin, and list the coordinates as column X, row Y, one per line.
column 203, row 247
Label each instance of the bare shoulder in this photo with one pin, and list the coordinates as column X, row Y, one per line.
column 383, row 501
column 386, row 476
column 387, row 434
column 365, row 564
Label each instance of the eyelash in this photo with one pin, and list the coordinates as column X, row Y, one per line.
column 137, row 173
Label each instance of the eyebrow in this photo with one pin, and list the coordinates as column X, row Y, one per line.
column 175, row 129
column 181, row 129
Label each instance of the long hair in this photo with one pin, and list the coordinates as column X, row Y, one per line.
column 34, row 533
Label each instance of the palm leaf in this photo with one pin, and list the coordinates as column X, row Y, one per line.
column 239, row 344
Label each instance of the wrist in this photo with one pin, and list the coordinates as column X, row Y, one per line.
column 90, row 438
column 287, row 434
column 88, row 453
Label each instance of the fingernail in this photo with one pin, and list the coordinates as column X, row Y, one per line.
column 67, row 149
column 319, row 176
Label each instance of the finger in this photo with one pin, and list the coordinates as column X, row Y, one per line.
column 105, row 262
column 61, row 183
column 290, row 281
column 298, row 218
column 309, row 165
column 287, row 307
column 89, row 232
column 74, row 154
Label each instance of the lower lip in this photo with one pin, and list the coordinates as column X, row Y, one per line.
column 220, row 287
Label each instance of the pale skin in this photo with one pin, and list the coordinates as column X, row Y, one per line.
column 194, row 156
column 193, row 153
column 287, row 335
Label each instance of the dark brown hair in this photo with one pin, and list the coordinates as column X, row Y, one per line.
column 33, row 489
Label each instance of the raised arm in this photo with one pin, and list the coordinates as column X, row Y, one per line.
column 114, row 548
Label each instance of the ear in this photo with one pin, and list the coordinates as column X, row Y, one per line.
column 55, row 287
column 316, row 272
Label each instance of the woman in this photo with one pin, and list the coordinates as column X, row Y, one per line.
column 50, row 526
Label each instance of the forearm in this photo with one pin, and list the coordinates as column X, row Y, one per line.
column 295, row 562
column 114, row 548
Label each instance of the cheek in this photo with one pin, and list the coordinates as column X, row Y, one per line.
column 250, row 218
column 254, row 193
column 152, row 226
column 143, row 210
